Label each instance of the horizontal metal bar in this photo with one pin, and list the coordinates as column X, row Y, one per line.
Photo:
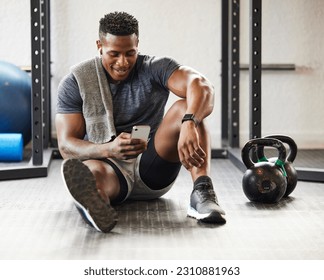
column 234, row 155
column 310, row 174
column 303, row 173
column 26, row 170
column 272, row 67
column 218, row 153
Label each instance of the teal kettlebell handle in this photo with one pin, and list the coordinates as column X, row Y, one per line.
column 281, row 165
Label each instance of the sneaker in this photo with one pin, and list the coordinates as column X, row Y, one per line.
column 204, row 205
column 81, row 184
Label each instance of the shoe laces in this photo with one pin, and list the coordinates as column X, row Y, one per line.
column 206, row 192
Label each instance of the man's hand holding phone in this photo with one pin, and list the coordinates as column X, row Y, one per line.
column 127, row 146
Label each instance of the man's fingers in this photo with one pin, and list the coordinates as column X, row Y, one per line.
column 192, row 157
column 200, row 152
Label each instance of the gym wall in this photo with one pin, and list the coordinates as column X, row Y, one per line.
column 190, row 31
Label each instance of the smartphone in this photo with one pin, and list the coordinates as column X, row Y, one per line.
column 141, row 132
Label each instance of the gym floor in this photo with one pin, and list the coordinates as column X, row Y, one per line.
column 39, row 221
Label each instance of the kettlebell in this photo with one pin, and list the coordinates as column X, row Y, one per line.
column 264, row 181
column 292, row 177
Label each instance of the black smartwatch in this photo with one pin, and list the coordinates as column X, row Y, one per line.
column 190, row 117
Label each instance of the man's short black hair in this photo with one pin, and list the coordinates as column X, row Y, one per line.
column 118, row 23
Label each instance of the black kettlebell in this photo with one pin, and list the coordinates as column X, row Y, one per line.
column 264, row 182
column 292, row 177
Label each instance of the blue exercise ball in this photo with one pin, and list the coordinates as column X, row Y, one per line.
column 15, row 101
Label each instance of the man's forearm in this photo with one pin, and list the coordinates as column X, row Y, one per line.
column 81, row 149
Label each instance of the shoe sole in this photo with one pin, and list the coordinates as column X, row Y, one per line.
column 81, row 184
column 213, row 217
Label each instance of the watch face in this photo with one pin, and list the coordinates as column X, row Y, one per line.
column 190, row 117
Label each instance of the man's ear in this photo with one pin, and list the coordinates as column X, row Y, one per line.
column 99, row 46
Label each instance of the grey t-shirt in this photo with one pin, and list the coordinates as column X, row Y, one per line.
column 140, row 99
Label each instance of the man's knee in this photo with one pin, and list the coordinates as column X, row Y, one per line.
column 107, row 181
column 171, row 123
column 96, row 167
column 177, row 110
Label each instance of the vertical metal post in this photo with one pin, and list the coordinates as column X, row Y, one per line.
column 255, row 68
column 36, row 75
column 234, row 74
column 224, row 73
column 46, row 71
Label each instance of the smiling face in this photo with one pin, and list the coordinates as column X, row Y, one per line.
column 119, row 55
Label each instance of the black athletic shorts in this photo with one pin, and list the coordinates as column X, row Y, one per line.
column 155, row 172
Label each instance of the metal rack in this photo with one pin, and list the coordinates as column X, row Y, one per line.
column 230, row 73
column 230, row 83
column 41, row 154
column 255, row 68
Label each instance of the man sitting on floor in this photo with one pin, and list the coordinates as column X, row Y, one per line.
column 101, row 100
